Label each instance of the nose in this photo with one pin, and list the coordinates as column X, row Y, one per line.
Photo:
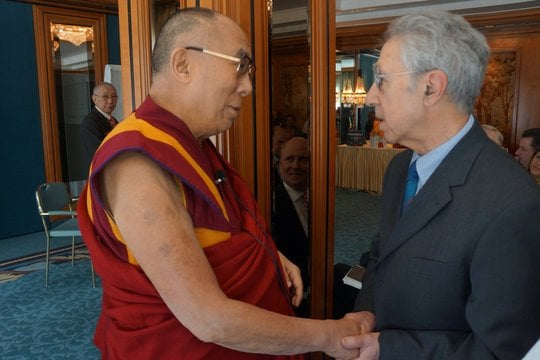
column 372, row 95
column 245, row 87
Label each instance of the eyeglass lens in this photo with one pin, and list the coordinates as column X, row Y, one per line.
column 245, row 66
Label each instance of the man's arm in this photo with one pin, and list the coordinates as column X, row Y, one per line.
column 148, row 210
column 91, row 136
column 502, row 309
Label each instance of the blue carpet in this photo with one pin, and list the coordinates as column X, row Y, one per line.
column 25, row 245
column 54, row 322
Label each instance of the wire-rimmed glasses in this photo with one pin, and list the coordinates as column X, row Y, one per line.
column 380, row 77
column 244, row 64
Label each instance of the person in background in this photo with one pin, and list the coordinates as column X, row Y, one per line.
column 288, row 126
column 534, row 166
column 290, row 208
column 188, row 268
column 369, row 124
column 454, row 271
column 99, row 122
column 494, row 134
column 528, row 145
column 278, row 139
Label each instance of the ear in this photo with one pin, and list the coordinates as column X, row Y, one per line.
column 435, row 87
column 180, row 64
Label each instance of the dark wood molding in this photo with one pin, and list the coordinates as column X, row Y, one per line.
column 102, row 6
column 292, row 45
column 262, row 106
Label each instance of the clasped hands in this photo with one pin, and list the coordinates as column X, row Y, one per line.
column 354, row 338
column 360, row 344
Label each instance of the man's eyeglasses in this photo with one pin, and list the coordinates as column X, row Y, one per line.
column 380, row 77
column 244, row 64
column 107, row 97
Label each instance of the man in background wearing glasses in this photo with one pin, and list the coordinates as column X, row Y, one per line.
column 188, row 268
column 99, row 122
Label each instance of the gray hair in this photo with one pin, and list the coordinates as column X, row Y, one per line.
column 101, row 85
column 435, row 39
column 182, row 22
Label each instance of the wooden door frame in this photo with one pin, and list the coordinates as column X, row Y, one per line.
column 322, row 162
column 43, row 15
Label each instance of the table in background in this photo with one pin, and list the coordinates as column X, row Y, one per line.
column 362, row 167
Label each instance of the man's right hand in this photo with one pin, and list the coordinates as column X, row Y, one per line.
column 364, row 319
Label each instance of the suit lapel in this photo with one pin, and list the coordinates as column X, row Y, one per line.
column 434, row 196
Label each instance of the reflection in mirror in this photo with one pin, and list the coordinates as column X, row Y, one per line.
column 73, row 55
column 356, row 206
column 161, row 10
column 354, row 76
column 289, row 129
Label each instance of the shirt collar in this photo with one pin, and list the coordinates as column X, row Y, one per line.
column 428, row 163
column 294, row 194
column 108, row 116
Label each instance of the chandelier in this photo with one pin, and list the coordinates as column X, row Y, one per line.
column 347, row 95
column 73, row 33
column 358, row 97
column 360, row 92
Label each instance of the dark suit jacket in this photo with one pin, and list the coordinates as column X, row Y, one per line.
column 458, row 275
column 288, row 232
column 94, row 128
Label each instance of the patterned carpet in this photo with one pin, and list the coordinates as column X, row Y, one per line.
column 58, row 321
column 54, row 322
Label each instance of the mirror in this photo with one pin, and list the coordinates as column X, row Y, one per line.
column 362, row 156
column 289, row 129
column 160, row 12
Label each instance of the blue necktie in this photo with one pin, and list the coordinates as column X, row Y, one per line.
column 411, row 183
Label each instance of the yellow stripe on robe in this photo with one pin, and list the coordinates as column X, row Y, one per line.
column 209, row 237
column 134, row 124
column 206, row 237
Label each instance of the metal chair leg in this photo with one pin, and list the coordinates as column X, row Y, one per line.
column 47, row 252
column 72, row 250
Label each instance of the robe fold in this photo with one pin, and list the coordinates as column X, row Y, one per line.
column 135, row 323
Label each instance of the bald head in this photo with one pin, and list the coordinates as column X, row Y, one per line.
column 196, row 70
column 188, row 23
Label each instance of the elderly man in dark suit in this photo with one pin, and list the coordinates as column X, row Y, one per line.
column 99, row 122
column 455, row 270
